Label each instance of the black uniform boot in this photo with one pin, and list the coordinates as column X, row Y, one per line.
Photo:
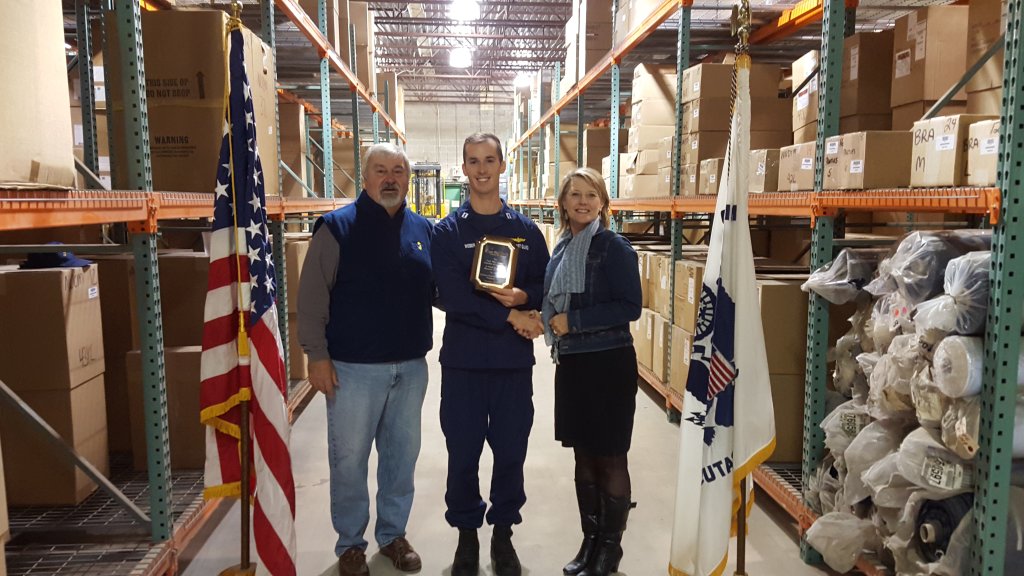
column 467, row 554
column 503, row 554
column 589, row 500
column 614, row 512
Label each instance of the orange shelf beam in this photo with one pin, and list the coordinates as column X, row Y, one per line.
column 340, row 129
column 792, row 20
column 310, row 29
column 964, row 200
column 649, row 25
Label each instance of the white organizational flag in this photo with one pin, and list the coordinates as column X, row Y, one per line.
column 728, row 424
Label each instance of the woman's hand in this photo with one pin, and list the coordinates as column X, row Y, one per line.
column 559, row 324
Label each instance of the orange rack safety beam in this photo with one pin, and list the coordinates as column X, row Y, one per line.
column 308, row 27
column 962, row 200
column 649, row 25
column 792, row 20
column 340, row 129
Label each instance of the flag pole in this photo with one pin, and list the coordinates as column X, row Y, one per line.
column 741, row 532
column 244, row 567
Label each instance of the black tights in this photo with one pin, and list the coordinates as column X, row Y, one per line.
column 610, row 473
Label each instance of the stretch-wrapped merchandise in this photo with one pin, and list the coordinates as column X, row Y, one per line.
column 927, row 463
column 847, row 373
column 917, row 267
column 960, row 427
column 840, row 537
column 963, row 307
column 844, row 424
column 874, row 442
column 958, row 366
column 889, row 489
column 841, row 280
column 930, row 403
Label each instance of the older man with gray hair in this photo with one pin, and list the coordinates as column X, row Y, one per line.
column 365, row 324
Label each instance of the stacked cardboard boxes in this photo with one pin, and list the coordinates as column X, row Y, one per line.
column 805, row 97
column 652, row 118
column 985, row 23
column 594, row 38
column 867, row 82
column 940, row 150
column 796, row 167
column 292, row 122
column 784, row 304
column 983, row 153
column 865, row 160
column 361, row 19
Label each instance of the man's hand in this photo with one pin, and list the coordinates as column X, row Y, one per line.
column 527, row 324
column 510, row 297
column 322, row 376
column 559, row 324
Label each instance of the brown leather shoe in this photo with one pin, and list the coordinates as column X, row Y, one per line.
column 402, row 555
column 353, row 563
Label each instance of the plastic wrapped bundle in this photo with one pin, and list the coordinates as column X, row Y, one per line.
column 960, row 427
column 841, row 280
column 875, row 441
column 829, row 482
column 881, row 326
column 917, row 267
column 930, row 403
column 936, row 521
column 958, row 366
column 843, row 424
column 926, row 462
column 841, row 538
column 889, row 489
column 889, row 395
column 944, row 523
column 847, row 372
column 964, row 306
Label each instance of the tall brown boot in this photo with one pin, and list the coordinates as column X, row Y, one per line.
column 589, row 500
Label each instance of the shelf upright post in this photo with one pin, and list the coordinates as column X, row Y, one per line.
column 580, row 118
column 277, row 227
column 139, row 176
column 829, row 76
column 613, row 122
column 310, row 172
column 90, row 156
column 376, row 127
column 529, row 144
column 1002, row 332
column 355, row 108
column 556, row 152
column 325, row 105
column 387, row 108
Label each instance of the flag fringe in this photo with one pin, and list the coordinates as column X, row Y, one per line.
column 229, row 490
column 211, row 415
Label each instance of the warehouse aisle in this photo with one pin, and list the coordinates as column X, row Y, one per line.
column 549, row 535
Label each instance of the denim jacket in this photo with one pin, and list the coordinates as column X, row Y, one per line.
column 599, row 317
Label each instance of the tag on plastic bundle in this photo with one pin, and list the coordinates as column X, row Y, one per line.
column 943, row 474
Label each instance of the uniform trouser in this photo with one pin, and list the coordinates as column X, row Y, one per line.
column 374, row 404
column 491, row 405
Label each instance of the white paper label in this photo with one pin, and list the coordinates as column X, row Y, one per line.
column 832, row 147
column 696, row 112
column 919, row 42
column 104, row 163
column 989, row 146
column 650, row 328
column 712, row 178
column 945, row 142
column 852, row 423
column 691, row 290
column 761, row 169
column 854, row 61
column 693, row 144
column 79, row 135
column 687, row 348
column 856, row 166
column 802, row 99
column 807, row 163
column 696, row 87
column 693, row 178
column 942, row 474
column 106, row 181
column 911, row 25
column 94, row 292
column 664, row 283
column 902, row 63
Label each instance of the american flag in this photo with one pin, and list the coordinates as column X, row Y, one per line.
column 242, row 364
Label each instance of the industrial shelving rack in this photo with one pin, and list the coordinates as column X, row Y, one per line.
column 175, row 507
column 1002, row 204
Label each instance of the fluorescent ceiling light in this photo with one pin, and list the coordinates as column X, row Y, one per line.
column 523, row 79
column 460, row 58
column 463, row 10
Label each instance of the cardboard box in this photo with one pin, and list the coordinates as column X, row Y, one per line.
column 185, row 95
column 644, row 340
column 35, row 475
column 784, row 304
column 688, row 176
column 985, row 23
column 865, row 123
column 295, row 257
column 186, row 435
column 597, row 143
column 653, row 83
column 52, row 335
column 929, row 53
column 766, row 139
column 659, row 347
column 665, row 181
column 788, row 405
column 710, row 174
column 660, row 270
column 293, row 147
column 643, row 263
column 765, row 170
column 983, row 153
column 796, row 167
column 183, row 280
column 653, row 112
column 682, row 346
column 715, row 81
column 805, row 100
column 647, row 137
column 904, row 117
column 804, row 134
column 988, row 102
column 334, row 28
column 830, row 180
column 701, row 146
column 689, row 282
column 867, row 74
column 298, row 362
column 874, row 160
column 706, row 114
column 939, row 150
column 639, row 186
column 643, row 162
column 568, row 145
column 624, row 163
column 666, row 148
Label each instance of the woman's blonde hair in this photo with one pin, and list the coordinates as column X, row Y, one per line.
column 592, row 177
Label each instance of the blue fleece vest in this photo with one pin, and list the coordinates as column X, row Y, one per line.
column 381, row 301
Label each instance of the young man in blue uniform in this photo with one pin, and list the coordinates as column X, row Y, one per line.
column 486, row 360
column 365, row 324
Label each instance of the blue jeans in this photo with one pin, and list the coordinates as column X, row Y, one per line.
column 378, row 403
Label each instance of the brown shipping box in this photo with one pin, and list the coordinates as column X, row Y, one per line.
column 806, row 133
column 298, row 363
column 985, row 23
column 653, row 112
column 705, row 114
column 664, row 181
column 643, row 263
column 788, row 404
column 765, row 165
column 644, row 344
column 183, row 278
column 653, row 83
column 796, row 167
column 334, row 33
column 874, row 160
column 929, row 53
column 56, row 343
column 688, row 176
column 295, row 257
column 643, row 162
column 185, row 433
column 983, row 153
column 36, row 138
column 689, row 279
column 710, row 174
column 647, row 137
column 830, row 180
column 185, row 96
column 784, row 304
column 904, row 117
column 865, row 122
column 867, row 74
column 715, row 81
column 940, row 150
column 293, row 147
column 659, row 346
column 805, row 100
column 682, row 345
column 35, row 475
column 624, row 163
column 666, row 148
column 985, row 102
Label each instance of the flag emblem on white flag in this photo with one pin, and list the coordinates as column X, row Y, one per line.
column 728, row 424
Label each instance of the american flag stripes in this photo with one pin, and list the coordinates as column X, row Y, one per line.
column 246, row 363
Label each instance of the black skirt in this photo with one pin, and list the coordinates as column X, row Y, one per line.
column 595, row 400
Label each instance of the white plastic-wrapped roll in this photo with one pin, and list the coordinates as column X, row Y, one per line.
column 874, row 442
column 841, row 537
column 929, row 402
column 926, row 462
column 889, row 489
column 889, row 394
column 960, row 427
column 843, row 424
column 957, row 366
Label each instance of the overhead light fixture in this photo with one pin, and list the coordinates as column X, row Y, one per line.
column 523, row 79
column 460, row 58
column 463, row 10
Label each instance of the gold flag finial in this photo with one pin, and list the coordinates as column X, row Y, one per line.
column 236, row 14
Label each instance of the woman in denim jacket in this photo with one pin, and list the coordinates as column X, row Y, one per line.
column 592, row 292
